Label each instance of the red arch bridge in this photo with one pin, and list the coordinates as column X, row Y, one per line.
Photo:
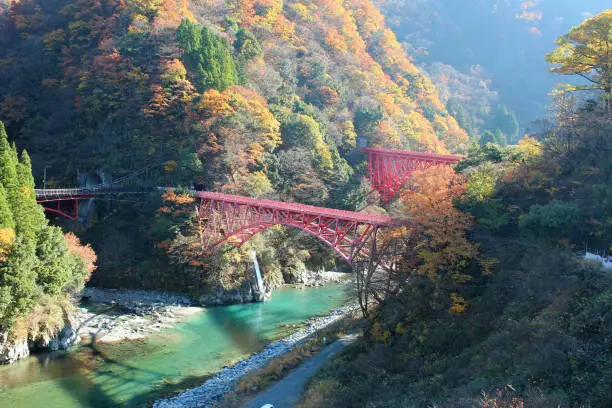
column 235, row 219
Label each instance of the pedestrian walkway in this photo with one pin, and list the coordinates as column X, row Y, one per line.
column 287, row 392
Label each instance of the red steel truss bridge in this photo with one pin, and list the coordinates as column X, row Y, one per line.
column 236, row 219
column 389, row 170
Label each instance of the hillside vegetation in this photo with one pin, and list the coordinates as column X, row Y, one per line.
column 489, row 303
column 261, row 98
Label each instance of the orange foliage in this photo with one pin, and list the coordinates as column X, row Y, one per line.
column 335, row 40
column 172, row 12
column 215, row 104
column 444, row 249
column 178, row 199
column 84, row 251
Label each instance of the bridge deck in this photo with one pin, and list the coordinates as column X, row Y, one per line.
column 378, row 220
column 57, row 194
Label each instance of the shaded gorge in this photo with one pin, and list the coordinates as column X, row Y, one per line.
column 134, row 373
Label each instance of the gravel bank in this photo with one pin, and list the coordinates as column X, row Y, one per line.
column 143, row 313
column 222, row 383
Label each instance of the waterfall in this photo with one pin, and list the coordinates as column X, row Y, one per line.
column 258, row 273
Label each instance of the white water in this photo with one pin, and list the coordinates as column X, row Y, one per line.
column 257, row 272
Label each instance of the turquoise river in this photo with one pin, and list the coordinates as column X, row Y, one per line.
column 130, row 374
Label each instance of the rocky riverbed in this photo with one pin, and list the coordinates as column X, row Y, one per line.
column 223, row 382
column 129, row 314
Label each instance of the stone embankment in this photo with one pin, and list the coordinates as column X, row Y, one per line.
column 223, row 382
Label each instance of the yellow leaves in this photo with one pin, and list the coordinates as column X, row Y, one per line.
column 53, row 40
column 7, row 237
column 258, row 184
column 458, row 305
column 257, row 106
column 386, row 134
column 214, row 104
column 323, row 155
column 172, row 12
column 487, row 265
column 285, row 29
column 170, row 166
column 449, row 132
column 529, row 147
column 387, row 101
column 302, row 13
column 349, row 136
column 174, row 71
column 443, row 247
column 259, row 12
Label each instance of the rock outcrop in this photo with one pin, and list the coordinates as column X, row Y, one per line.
column 12, row 349
column 248, row 292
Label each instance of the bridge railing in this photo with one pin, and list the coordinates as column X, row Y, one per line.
column 68, row 193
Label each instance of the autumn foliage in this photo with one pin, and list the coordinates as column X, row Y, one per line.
column 86, row 252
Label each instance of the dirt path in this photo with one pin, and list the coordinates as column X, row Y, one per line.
column 285, row 393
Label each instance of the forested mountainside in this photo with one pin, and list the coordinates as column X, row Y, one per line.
column 491, row 304
column 119, row 83
column 259, row 98
column 506, row 38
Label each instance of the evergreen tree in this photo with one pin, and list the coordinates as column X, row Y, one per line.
column 34, row 258
column 500, row 138
column 487, row 137
column 6, row 216
column 207, row 56
column 29, row 217
column 505, row 120
column 8, row 162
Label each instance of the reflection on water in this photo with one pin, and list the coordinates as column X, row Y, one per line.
column 125, row 374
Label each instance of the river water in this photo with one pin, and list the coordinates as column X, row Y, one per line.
column 130, row 374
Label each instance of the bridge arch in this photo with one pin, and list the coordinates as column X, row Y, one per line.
column 349, row 234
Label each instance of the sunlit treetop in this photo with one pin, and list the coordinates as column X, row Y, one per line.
column 586, row 51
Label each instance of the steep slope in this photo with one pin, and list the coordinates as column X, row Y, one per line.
column 508, row 38
column 261, row 98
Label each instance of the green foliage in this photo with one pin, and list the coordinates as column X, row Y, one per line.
column 304, row 131
column 504, row 125
column 247, row 46
column 482, row 182
column 585, row 51
column 6, row 216
column 38, row 261
column 487, row 138
column 551, row 220
column 488, row 152
column 207, row 56
column 367, row 119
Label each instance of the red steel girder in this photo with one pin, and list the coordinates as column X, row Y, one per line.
column 389, row 170
column 347, row 232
